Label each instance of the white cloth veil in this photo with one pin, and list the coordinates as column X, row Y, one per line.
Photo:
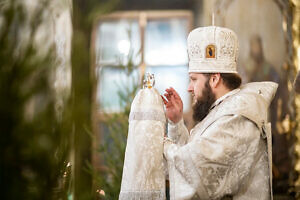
column 143, row 171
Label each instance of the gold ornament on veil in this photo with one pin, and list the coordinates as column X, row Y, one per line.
column 149, row 81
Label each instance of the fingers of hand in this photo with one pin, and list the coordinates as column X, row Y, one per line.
column 168, row 103
column 176, row 95
column 164, row 100
column 170, row 92
column 167, row 96
column 173, row 97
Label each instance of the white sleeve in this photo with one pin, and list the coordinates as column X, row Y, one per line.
column 215, row 162
column 178, row 132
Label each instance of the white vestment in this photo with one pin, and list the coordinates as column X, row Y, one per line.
column 143, row 171
column 226, row 154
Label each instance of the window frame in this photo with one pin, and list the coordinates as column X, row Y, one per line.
column 142, row 17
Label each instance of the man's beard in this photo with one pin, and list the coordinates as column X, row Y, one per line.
column 203, row 104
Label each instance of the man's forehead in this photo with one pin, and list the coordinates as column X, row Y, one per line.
column 194, row 74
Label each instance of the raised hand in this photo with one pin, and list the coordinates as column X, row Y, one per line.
column 174, row 105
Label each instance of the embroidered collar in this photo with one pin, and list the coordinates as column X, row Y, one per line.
column 221, row 99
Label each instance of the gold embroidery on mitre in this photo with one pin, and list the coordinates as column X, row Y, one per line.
column 210, row 51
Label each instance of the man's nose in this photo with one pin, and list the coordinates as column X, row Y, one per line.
column 190, row 88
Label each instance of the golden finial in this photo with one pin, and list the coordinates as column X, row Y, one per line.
column 149, row 81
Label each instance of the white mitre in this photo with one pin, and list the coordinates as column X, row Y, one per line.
column 212, row 49
column 143, row 172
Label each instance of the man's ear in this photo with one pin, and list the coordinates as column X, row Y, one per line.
column 215, row 80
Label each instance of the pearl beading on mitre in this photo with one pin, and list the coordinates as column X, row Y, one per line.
column 223, row 52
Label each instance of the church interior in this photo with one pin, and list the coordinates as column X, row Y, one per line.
column 70, row 69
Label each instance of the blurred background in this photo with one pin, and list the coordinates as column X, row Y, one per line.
column 69, row 71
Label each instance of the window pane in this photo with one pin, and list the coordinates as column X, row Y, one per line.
column 116, row 40
column 172, row 76
column 111, row 81
column 165, row 42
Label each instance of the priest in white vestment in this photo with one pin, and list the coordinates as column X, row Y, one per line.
column 228, row 153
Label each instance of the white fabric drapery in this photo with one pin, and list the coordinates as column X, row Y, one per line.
column 143, row 172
